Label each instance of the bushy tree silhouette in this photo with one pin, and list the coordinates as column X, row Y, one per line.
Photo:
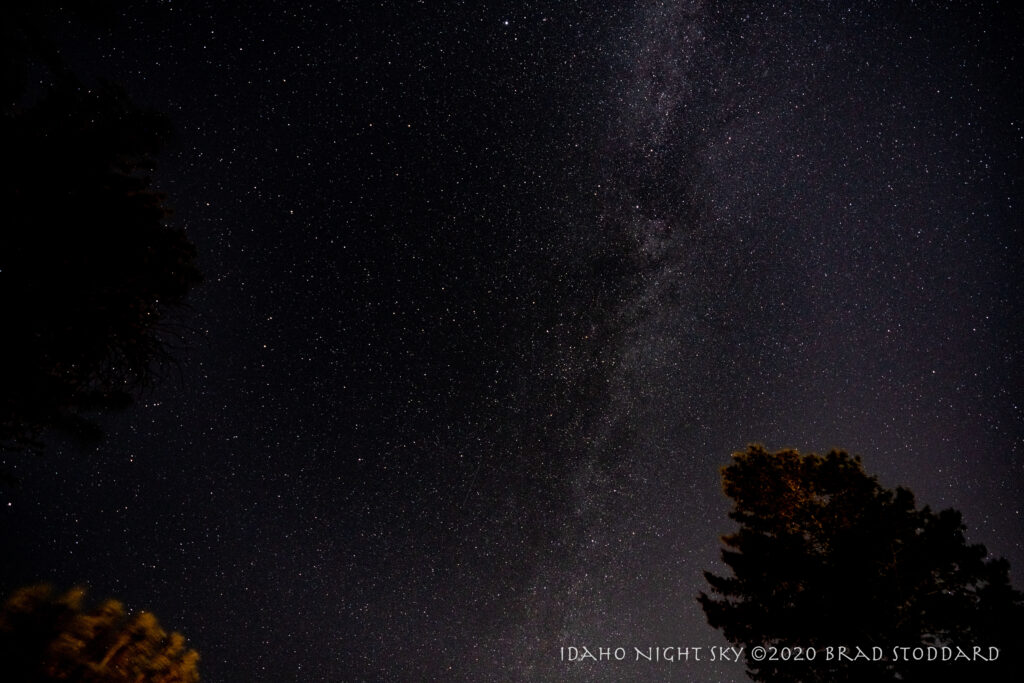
column 45, row 637
column 827, row 557
column 88, row 264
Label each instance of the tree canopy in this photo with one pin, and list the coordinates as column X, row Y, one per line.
column 88, row 264
column 47, row 637
column 827, row 557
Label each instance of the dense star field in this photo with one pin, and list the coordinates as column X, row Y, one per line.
column 492, row 291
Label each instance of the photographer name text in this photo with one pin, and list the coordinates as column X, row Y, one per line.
column 834, row 653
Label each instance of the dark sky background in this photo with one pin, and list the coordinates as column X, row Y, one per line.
column 493, row 290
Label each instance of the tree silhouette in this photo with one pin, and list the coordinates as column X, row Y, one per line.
column 88, row 265
column 826, row 557
column 44, row 637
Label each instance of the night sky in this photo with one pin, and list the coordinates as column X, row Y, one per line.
column 493, row 290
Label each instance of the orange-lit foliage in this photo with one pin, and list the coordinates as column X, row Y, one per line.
column 47, row 637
